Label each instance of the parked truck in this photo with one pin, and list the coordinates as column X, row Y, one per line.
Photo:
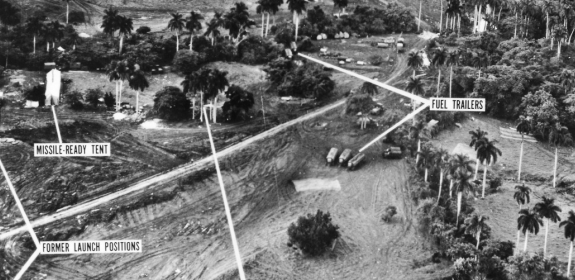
column 355, row 161
column 400, row 45
column 393, row 153
column 331, row 156
column 344, row 157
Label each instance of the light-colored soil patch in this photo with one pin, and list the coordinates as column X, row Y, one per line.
column 314, row 184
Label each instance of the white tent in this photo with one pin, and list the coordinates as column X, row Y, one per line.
column 53, row 85
column 31, row 104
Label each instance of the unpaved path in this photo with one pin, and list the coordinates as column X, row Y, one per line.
column 173, row 175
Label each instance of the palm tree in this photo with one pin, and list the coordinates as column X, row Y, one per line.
column 426, row 156
column 487, row 154
column 414, row 61
column 263, row 8
column 34, row 27
column 569, row 224
column 548, row 7
column 139, row 83
column 213, row 26
column 439, row 58
column 177, row 23
column 125, row 27
column 274, row 8
column 217, row 83
column 197, row 82
column 114, row 76
column 342, row 4
column 123, row 72
column 559, row 33
column 452, row 59
column 53, row 32
column 559, row 135
column 110, row 21
column 476, row 136
column 441, row 160
column 192, row 24
column 548, row 210
column 458, row 163
column 463, row 184
column 522, row 197
column 475, row 225
column 297, row 7
column 369, row 88
column 528, row 222
column 523, row 127
column 236, row 20
column 415, row 86
column 67, row 9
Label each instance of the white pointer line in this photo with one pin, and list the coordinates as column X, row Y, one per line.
column 226, row 205
column 56, row 123
column 408, row 117
column 378, row 83
column 27, row 264
column 15, row 195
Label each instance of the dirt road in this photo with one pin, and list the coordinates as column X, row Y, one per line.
column 187, row 169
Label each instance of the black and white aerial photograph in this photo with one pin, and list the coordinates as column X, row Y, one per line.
column 287, row 139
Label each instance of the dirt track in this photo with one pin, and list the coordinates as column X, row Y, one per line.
column 169, row 238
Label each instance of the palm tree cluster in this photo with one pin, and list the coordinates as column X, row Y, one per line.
column 112, row 22
column 209, row 83
column 51, row 31
column 236, row 20
column 121, row 71
column 457, row 168
column 487, row 153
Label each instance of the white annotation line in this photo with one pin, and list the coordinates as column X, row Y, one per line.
column 426, row 102
column 20, row 207
column 28, row 225
column 406, row 118
column 27, row 264
column 378, row 83
column 225, row 199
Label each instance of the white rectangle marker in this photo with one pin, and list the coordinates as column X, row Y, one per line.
column 458, row 104
column 90, row 247
column 72, row 150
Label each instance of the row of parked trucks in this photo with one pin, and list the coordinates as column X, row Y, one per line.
column 346, row 158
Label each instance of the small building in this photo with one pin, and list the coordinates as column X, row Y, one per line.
column 49, row 66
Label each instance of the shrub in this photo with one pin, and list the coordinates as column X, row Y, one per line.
column 143, row 30
column 240, row 101
column 306, row 45
column 36, row 93
column 74, row 100
column 187, row 62
column 532, row 267
column 256, row 50
column 375, row 60
column 109, row 100
column 93, row 96
column 388, row 213
column 36, row 61
column 308, row 81
column 277, row 70
column 76, row 17
column 172, row 104
column 284, row 33
column 313, row 234
column 143, row 55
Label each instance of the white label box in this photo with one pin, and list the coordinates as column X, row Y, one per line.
column 72, row 150
column 90, row 247
column 458, row 104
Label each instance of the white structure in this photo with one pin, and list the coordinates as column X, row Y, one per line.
column 53, row 85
